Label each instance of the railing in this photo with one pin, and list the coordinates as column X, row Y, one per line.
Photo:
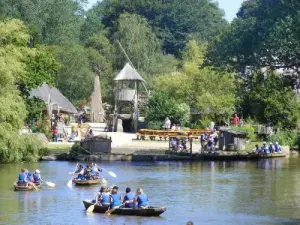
column 167, row 134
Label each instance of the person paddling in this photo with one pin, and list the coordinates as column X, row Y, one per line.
column 80, row 173
column 99, row 195
column 128, row 199
column 22, row 181
column 141, row 199
column 106, row 198
column 37, row 177
column 116, row 197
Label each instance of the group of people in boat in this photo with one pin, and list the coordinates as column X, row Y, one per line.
column 112, row 198
column 90, row 172
column 27, row 178
column 272, row 148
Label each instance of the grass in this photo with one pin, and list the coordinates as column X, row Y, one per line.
column 58, row 148
column 250, row 146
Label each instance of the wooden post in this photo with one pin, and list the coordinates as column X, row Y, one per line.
column 191, row 145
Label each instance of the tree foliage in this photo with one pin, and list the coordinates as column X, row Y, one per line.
column 207, row 91
column 160, row 106
column 270, row 99
column 264, row 34
column 13, row 41
column 174, row 22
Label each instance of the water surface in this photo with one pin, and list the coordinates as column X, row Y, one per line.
column 240, row 192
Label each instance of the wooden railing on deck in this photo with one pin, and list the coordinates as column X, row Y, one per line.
column 166, row 134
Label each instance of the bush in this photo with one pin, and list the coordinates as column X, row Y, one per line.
column 154, row 125
column 17, row 148
column 248, row 129
column 290, row 138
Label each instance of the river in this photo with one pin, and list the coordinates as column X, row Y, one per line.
column 237, row 192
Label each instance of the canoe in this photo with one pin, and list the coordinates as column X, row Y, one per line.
column 90, row 182
column 150, row 211
column 26, row 188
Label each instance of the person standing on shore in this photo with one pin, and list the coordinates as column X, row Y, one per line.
column 236, row 120
column 167, row 124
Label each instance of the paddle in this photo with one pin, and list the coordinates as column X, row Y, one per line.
column 110, row 173
column 91, row 208
column 50, row 184
column 108, row 212
column 69, row 184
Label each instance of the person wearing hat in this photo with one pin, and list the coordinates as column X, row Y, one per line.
column 37, row 177
column 128, row 199
column 116, row 198
column 141, row 199
column 277, row 147
column 80, row 173
column 271, row 148
column 265, row 148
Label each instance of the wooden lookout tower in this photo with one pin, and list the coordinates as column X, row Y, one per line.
column 131, row 96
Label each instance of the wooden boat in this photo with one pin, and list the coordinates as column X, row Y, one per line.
column 89, row 182
column 26, row 188
column 150, row 211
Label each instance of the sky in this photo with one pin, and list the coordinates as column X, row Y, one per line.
column 230, row 7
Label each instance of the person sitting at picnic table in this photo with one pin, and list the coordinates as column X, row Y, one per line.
column 277, row 147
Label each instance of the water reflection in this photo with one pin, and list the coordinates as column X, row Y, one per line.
column 211, row 192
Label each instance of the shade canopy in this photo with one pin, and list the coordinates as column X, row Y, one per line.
column 129, row 73
column 42, row 92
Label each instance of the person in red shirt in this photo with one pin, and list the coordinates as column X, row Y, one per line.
column 55, row 132
column 236, row 120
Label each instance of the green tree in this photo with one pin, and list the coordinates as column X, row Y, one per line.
column 204, row 89
column 13, row 44
column 75, row 79
column 49, row 21
column 264, row 34
column 160, row 106
column 270, row 99
column 141, row 45
column 174, row 22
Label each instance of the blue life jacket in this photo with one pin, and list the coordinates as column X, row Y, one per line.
column 142, row 200
column 22, row 177
column 36, row 177
column 93, row 171
column 116, row 200
column 105, row 201
column 277, row 148
column 203, row 136
column 128, row 197
column 29, row 175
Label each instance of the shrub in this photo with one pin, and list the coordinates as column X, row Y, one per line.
column 154, row 125
column 289, row 137
column 248, row 129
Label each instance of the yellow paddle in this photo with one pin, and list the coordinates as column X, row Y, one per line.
column 91, row 208
column 50, row 184
column 108, row 212
column 69, row 184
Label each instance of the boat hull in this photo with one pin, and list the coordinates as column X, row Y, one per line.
column 26, row 188
column 150, row 211
column 90, row 182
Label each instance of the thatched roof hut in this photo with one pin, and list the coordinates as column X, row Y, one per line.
column 129, row 73
column 53, row 96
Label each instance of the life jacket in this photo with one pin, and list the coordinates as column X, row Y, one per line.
column 22, row 178
column 116, row 200
column 36, row 177
column 277, row 148
column 29, row 176
column 142, row 200
column 105, row 199
column 93, row 171
column 128, row 197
